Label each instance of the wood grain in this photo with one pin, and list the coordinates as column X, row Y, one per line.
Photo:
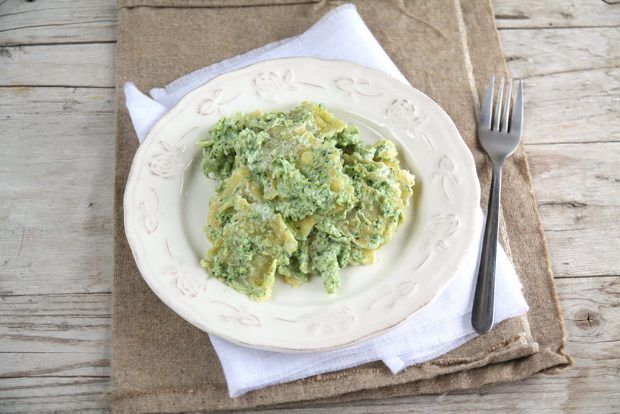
column 54, row 394
column 535, row 53
column 57, row 141
column 69, row 65
column 588, row 176
column 61, row 21
column 58, row 324
column 56, row 123
column 579, row 206
column 583, row 239
column 588, row 101
column 555, row 14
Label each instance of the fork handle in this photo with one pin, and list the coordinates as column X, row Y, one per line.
column 483, row 309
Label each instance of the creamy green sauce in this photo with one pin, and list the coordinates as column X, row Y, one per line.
column 299, row 195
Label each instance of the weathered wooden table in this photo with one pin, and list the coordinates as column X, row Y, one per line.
column 56, row 174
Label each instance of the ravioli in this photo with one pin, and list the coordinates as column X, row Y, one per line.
column 299, row 196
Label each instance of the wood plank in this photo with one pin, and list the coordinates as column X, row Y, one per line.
column 55, row 324
column 69, row 21
column 580, row 72
column 551, row 113
column 591, row 305
column 532, row 53
column 573, row 107
column 586, row 251
column 528, row 52
column 554, row 13
column 581, row 238
column 63, row 21
column 56, row 178
column 569, row 394
column 592, row 314
column 58, row 395
column 90, row 65
column 578, row 189
column 51, row 364
column 580, row 174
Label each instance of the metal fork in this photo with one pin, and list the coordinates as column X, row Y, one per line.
column 499, row 132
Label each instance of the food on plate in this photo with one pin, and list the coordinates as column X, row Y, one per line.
column 299, row 195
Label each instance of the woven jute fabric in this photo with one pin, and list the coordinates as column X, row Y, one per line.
column 446, row 48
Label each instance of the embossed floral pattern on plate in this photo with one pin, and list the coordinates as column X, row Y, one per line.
column 327, row 320
column 404, row 113
column 354, row 87
column 167, row 163
column 215, row 102
column 272, row 85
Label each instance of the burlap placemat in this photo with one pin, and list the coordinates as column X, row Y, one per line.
column 447, row 49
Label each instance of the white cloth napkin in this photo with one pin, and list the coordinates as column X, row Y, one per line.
column 439, row 327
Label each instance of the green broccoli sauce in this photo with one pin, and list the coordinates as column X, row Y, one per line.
column 299, row 195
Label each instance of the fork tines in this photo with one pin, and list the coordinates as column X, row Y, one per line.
column 500, row 119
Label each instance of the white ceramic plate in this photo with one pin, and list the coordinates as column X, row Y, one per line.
column 166, row 203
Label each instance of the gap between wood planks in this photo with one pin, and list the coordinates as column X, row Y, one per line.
column 53, row 294
column 86, row 42
column 92, row 42
column 556, row 27
column 36, row 26
column 533, row 144
column 58, row 86
column 55, row 376
column 563, row 72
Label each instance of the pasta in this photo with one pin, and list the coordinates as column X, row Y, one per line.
column 299, row 195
